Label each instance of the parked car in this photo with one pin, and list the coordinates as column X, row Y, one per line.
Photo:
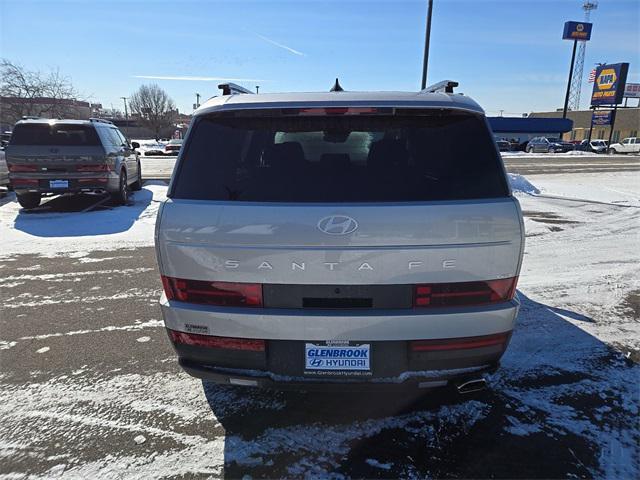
column 47, row 156
column 353, row 239
column 595, row 146
column 628, row 145
column 173, row 147
column 150, row 148
column 503, row 145
column 548, row 145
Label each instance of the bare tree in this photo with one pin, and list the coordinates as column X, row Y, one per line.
column 154, row 107
column 27, row 92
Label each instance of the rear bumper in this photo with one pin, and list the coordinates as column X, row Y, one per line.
column 265, row 379
column 322, row 325
column 76, row 183
column 393, row 362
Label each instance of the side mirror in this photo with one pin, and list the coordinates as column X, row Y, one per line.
column 135, row 145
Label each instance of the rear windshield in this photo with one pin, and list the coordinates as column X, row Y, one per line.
column 58, row 134
column 347, row 158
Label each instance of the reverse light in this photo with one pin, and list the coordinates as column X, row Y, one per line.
column 464, row 293
column 460, row 343
column 227, row 294
column 209, row 341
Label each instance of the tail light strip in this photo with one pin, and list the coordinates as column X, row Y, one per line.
column 460, row 343
column 464, row 293
column 436, row 295
column 213, row 293
column 227, row 343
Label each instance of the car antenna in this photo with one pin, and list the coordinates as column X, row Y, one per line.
column 337, row 87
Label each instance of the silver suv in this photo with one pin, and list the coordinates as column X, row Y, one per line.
column 349, row 238
column 47, row 156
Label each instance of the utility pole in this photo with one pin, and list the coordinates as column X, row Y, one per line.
column 126, row 115
column 257, row 89
column 425, row 62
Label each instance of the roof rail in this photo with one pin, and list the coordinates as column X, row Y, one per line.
column 231, row 88
column 445, row 86
column 101, row 120
column 31, row 117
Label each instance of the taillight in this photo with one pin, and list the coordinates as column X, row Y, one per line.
column 226, row 294
column 24, row 181
column 460, row 343
column 228, row 343
column 93, row 180
column 22, row 168
column 94, row 168
column 464, row 293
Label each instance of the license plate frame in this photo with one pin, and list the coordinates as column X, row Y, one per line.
column 337, row 358
column 58, row 184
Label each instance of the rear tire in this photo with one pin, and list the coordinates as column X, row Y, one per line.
column 137, row 185
column 611, row 151
column 28, row 200
column 529, row 149
column 121, row 197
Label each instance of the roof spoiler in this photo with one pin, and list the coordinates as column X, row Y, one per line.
column 232, row 88
column 445, row 86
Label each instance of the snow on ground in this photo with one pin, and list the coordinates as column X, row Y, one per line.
column 50, row 234
column 561, row 390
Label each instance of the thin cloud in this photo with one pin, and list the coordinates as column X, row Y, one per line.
column 273, row 42
column 197, row 79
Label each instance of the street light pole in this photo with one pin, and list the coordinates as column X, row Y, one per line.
column 197, row 100
column 126, row 115
column 425, row 62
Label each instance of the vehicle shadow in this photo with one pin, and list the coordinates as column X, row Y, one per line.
column 560, row 403
column 73, row 215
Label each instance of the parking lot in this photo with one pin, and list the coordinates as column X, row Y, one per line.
column 89, row 385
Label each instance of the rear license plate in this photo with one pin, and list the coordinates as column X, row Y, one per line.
column 337, row 358
column 58, row 183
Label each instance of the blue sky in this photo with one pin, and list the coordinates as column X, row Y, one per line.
column 508, row 55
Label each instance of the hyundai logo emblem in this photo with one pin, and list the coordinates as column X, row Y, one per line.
column 337, row 225
column 316, row 362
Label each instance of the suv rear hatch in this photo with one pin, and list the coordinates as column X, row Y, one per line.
column 41, row 152
column 320, row 198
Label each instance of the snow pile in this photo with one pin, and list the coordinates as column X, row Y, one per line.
column 54, row 233
column 519, row 184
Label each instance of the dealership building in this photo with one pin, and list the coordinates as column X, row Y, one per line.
column 627, row 124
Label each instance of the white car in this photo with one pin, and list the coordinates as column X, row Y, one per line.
column 340, row 239
column 628, row 145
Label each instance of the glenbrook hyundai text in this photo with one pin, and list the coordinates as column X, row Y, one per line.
column 340, row 239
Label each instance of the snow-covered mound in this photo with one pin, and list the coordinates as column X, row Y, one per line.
column 519, row 184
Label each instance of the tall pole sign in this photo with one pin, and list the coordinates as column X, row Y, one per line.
column 578, row 32
column 609, row 87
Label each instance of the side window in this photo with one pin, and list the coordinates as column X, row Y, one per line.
column 626, row 141
column 123, row 139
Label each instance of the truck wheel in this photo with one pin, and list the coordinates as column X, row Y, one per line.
column 611, row 151
column 121, row 197
column 28, row 200
column 137, row 185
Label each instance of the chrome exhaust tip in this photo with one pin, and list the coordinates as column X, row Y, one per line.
column 470, row 386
